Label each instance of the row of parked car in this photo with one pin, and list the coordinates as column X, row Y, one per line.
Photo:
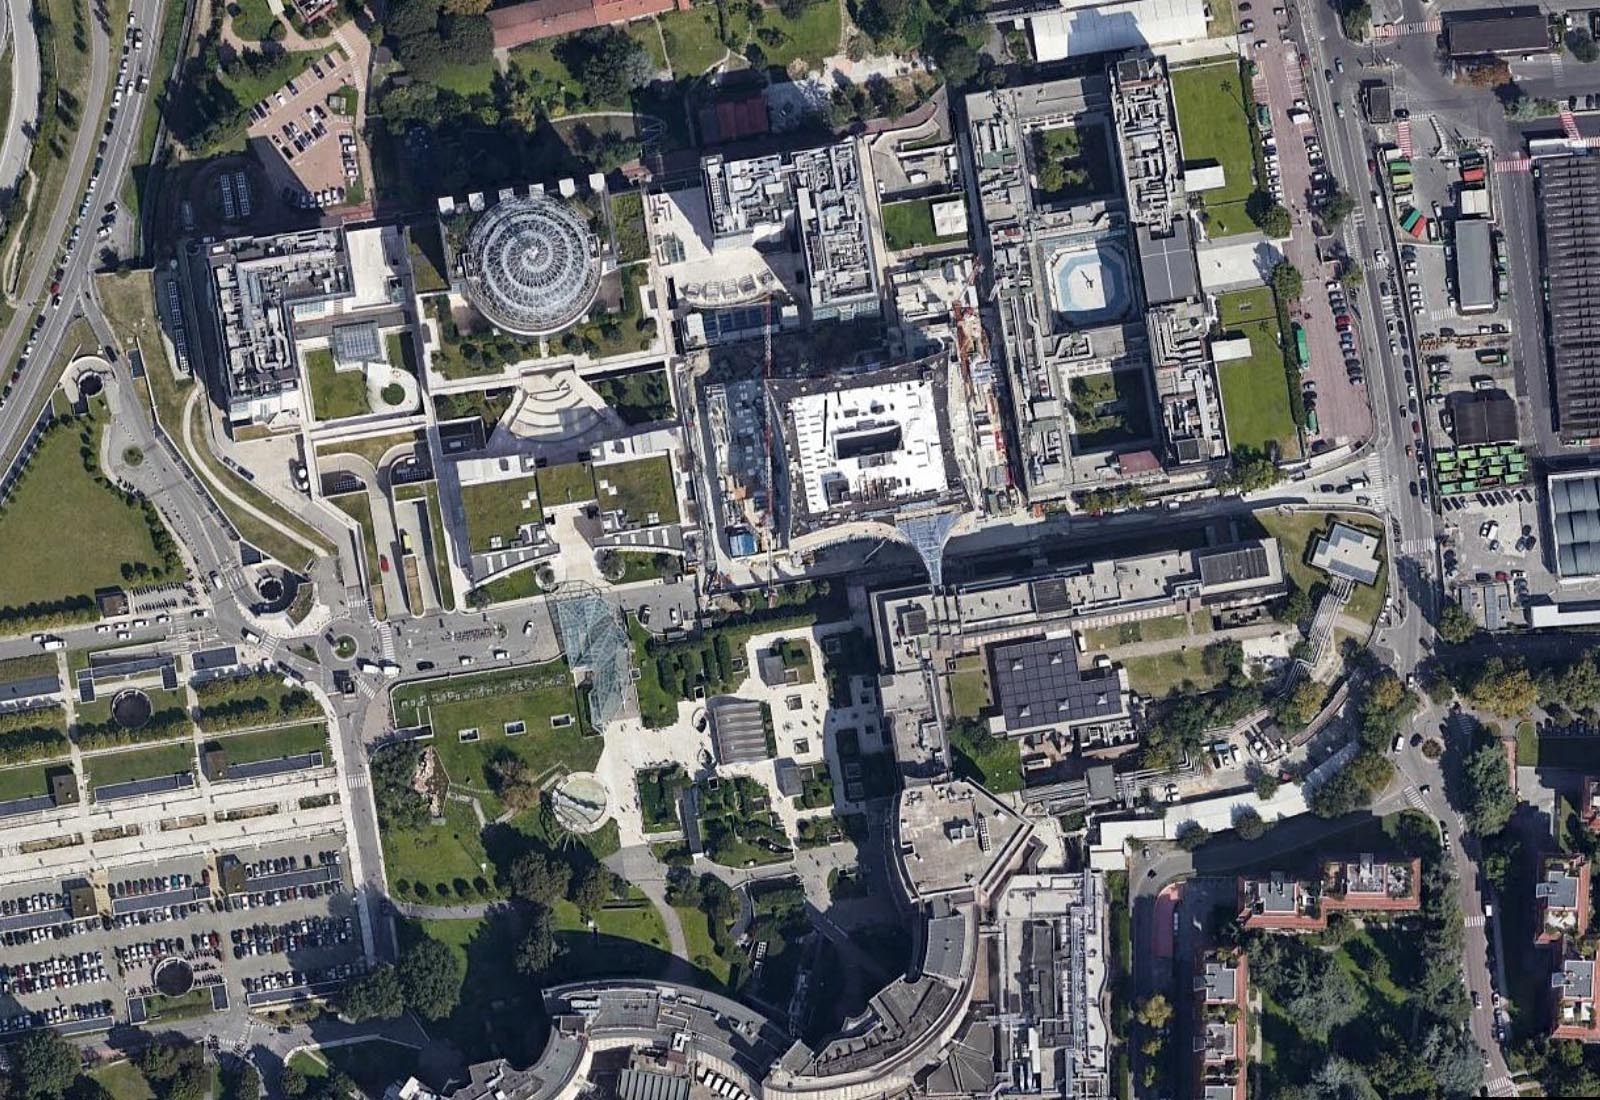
column 56, row 972
column 156, row 884
column 311, row 932
column 294, row 979
column 55, row 1014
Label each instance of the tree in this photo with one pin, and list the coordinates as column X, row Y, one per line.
column 1355, row 19
column 1577, row 687
column 1487, row 781
column 589, row 893
column 431, row 976
column 955, row 57
column 1582, row 46
column 1337, row 207
column 1266, row 785
column 515, row 783
column 1503, row 689
column 1317, row 993
column 608, row 64
column 244, row 1083
column 1155, row 1012
column 1352, row 275
column 1456, row 1060
column 1253, row 470
column 87, row 1088
column 1286, row 282
column 293, row 1082
column 43, row 1065
column 1268, row 215
column 1455, row 625
column 375, row 995
column 1248, row 824
column 1296, row 606
column 539, row 948
column 538, row 878
column 1193, row 838
column 1302, row 703
column 465, row 7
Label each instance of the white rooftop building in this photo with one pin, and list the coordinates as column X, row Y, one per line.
column 1076, row 28
column 871, row 443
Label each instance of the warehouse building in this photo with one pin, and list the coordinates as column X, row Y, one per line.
column 1474, row 266
column 1575, row 524
column 1570, row 223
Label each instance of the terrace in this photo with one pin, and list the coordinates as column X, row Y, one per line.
column 1573, row 987
column 1368, row 884
column 1279, row 902
column 1563, row 898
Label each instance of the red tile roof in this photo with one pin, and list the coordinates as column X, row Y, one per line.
column 537, row 19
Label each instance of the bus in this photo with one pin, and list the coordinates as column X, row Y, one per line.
column 1302, row 348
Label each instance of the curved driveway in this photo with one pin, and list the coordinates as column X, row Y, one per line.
column 14, row 145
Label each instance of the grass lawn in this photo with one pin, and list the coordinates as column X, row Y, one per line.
column 1109, row 408
column 1159, row 673
column 1143, row 630
column 587, row 953
column 335, row 394
column 359, row 508
column 641, row 489
column 639, row 398
column 247, row 748
column 571, row 483
column 496, row 510
column 26, row 781
column 124, row 1082
column 997, row 764
column 128, row 298
column 1255, row 391
column 627, row 211
column 254, row 21
column 310, row 1064
column 1527, row 744
column 692, row 40
column 518, row 585
column 468, row 80
column 1214, row 127
column 969, row 687
column 121, row 767
column 438, row 556
column 702, row 948
column 910, row 224
column 400, row 351
column 1295, row 533
column 374, row 447
column 810, row 37
column 372, row 1065
column 437, row 855
column 49, row 551
column 427, row 258
column 486, row 702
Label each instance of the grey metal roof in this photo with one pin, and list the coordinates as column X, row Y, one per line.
column 1038, row 684
column 1570, row 220
column 1499, row 32
column 1168, row 265
column 644, row 1084
column 1484, row 418
column 1232, row 565
column 1474, row 264
column 739, row 730
column 1575, row 520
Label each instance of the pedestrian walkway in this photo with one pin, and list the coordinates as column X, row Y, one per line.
column 1398, row 30
column 386, row 641
column 1402, row 137
column 1513, row 164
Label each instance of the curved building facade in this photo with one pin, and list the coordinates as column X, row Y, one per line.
column 531, row 265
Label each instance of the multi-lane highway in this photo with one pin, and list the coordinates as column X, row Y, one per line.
column 15, row 144
column 53, row 228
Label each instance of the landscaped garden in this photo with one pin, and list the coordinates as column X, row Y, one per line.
column 659, row 789
column 1109, row 408
column 1255, row 393
column 909, row 224
column 1073, row 162
column 738, row 825
column 570, row 483
column 640, row 397
column 496, row 511
column 1214, row 126
column 54, row 561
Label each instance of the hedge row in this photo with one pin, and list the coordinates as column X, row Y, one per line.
column 163, row 725
column 24, row 746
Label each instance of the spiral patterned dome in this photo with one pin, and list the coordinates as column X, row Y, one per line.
column 532, row 265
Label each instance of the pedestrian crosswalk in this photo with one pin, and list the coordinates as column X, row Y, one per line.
column 1402, row 136
column 1397, row 30
column 1414, row 797
column 1513, row 164
column 386, row 641
column 355, row 780
column 367, row 688
column 1476, row 922
column 1502, row 1086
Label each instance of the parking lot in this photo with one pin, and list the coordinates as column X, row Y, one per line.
column 275, row 926
column 307, row 124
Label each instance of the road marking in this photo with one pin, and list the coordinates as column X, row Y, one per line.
column 355, row 780
column 1476, row 922
column 367, row 689
column 1414, row 798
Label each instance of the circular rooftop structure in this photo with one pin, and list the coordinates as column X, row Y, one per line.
column 532, row 265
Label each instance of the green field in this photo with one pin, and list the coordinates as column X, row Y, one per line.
column 26, row 781
column 247, row 748
column 49, row 551
column 437, row 855
column 486, row 702
column 495, row 510
column 702, row 948
column 1295, row 533
column 121, row 767
column 1159, row 673
column 641, row 489
column 1214, row 128
column 572, row 483
column 692, row 41
column 335, row 394
column 909, row 224
column 810, row 37
column 124, row 1082
column 1255, row 391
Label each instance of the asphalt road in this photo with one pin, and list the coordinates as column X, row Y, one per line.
column 78, row 261
column 15, row 145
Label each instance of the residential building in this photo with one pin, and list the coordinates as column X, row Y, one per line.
column 1562, row 898
column 1361, row 885
column 1572, row 990
column 1221, row 1032
column 520, row 24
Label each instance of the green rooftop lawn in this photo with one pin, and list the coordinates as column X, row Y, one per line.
column 909, row 224
column 1109, row 408
column 438, row 557
column 531, row 694
column 627, row 217
column 400, row 351
column 969, row 687
column 26, row 781
column 372, row 448
column 1255, row 391
column 28, row 667
column 335, row 394
column 121, row 767
column 641, row 489
column 427, row 258
column 359, row 508
column 995, row 761
column 1157, row 674
column 498, row 509
column 572, row 483
column 1214, row 128
column 435, row 856
column 248, row 748
column 1296, row 533
column 49, row 552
